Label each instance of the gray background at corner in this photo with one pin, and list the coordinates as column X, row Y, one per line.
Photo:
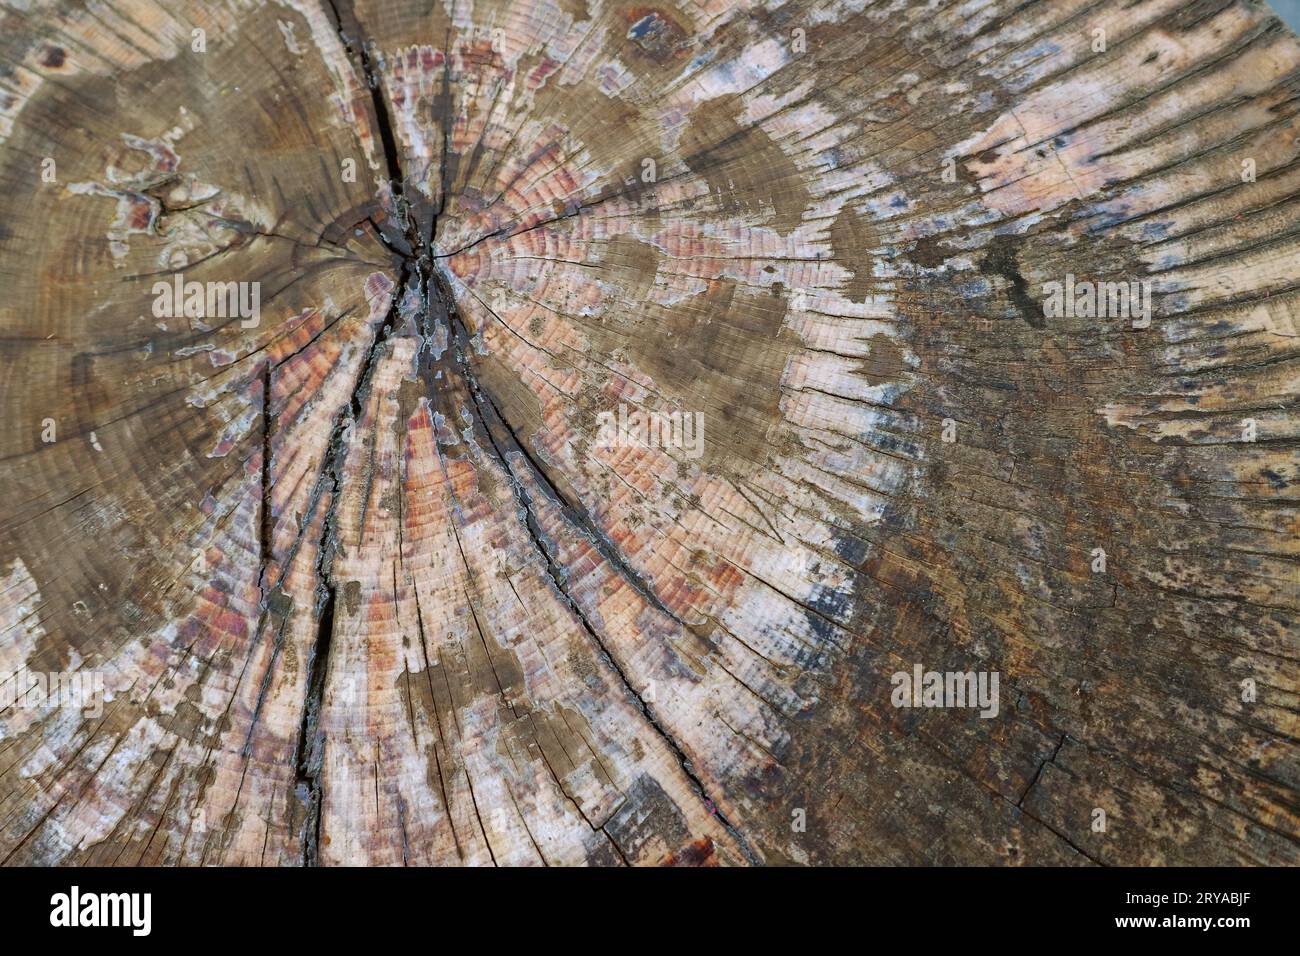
column 1288, row 10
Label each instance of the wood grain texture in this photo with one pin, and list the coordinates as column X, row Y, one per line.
column 363, row 581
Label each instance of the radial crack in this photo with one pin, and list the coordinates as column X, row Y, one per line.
column 487, row 415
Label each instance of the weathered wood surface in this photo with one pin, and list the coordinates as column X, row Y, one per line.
column 364, row 586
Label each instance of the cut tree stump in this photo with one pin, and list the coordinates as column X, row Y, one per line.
column 386, row 570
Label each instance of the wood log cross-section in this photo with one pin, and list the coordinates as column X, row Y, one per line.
column 561, row 432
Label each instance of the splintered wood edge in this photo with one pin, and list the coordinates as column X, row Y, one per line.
column 618, row 413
